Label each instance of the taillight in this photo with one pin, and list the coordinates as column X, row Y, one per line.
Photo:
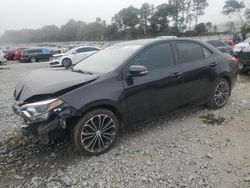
column 234, row 61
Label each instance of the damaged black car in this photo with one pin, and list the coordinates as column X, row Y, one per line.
column 121, row 85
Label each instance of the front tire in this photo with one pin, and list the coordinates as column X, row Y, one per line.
column 219, row 94
column 96, row 132
column 66, row 62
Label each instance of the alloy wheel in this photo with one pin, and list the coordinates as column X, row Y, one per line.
column 32, row 60
column 66, row 62
column 221, row 93
column 98, row 133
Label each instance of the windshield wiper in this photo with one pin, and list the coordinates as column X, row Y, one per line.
column 82, row 71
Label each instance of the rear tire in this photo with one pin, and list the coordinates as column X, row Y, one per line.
column 219, row 95
column 33, row 60
column 96, row 132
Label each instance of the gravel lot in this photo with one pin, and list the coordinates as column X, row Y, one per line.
column 195, row 147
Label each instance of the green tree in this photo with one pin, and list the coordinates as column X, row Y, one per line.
column 127, row 18
column 111, row 33
column 161, row 18
column 50, row 33
column 200, row 29
column 199, row 7
column 231, row 27
column 209, row 27
column 145, row 13
column 247, row 14
column 70, row 30
column 234, row 7
column 215, row 29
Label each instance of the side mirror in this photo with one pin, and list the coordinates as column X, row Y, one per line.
column 74, row 52
column 137, row 70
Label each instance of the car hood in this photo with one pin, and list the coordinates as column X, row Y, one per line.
column 242, row 44
column 49, row 82
column 58, row 55
column 238, row 47
column 246, row 49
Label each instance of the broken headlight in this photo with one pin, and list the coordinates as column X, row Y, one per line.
column 39, row 111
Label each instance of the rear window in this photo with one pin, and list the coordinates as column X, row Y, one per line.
column 46, row 51
column 189, row 52
column 86, row 49
column 216, row 43
column 206, row 52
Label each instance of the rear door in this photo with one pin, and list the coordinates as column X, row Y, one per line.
column 40, row 54
column 198, row 66
column 158, row 91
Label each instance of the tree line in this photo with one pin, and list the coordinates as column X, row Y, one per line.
column 176, row 17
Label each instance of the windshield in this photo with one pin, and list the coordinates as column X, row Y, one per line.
column 71, row 50
column 108, row 59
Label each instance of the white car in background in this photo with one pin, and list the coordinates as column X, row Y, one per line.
column 73, row 56
column 238, row 47
column 2, row 57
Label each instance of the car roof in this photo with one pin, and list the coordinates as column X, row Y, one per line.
column 213, row 40
column 85, row 47
column 144, row 42
column 34, row 49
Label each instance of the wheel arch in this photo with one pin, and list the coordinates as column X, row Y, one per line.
column 108, row 104
column 227, row 77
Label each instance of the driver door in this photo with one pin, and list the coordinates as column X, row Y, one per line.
column 157, row 92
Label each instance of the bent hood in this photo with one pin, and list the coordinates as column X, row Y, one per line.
column 49, row 81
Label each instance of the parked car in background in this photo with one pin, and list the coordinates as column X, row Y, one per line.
column 223, row 47
column 18, row 53
column 73, row 56
column 55, row 51
column 244, row 60
column 10, row 54
column 2, row 57
column 124, row 84
column 35, row 55
column 238, row 47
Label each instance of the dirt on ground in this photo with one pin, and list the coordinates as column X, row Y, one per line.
column 194, row 147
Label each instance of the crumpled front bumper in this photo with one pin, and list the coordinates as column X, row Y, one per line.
column 55, row 119
column 37, row 128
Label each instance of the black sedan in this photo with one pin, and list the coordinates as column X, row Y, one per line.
column 223, row 47
column 122, row 85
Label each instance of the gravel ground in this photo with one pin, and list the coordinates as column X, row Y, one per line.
column 195, row 147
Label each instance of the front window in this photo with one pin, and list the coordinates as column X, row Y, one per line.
column 157, row 57
column 216, row 43
column 108, row 59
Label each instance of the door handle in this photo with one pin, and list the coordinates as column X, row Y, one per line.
column 214, row 64
column 176, row 75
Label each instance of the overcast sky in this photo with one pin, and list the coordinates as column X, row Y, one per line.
column 17, row 14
